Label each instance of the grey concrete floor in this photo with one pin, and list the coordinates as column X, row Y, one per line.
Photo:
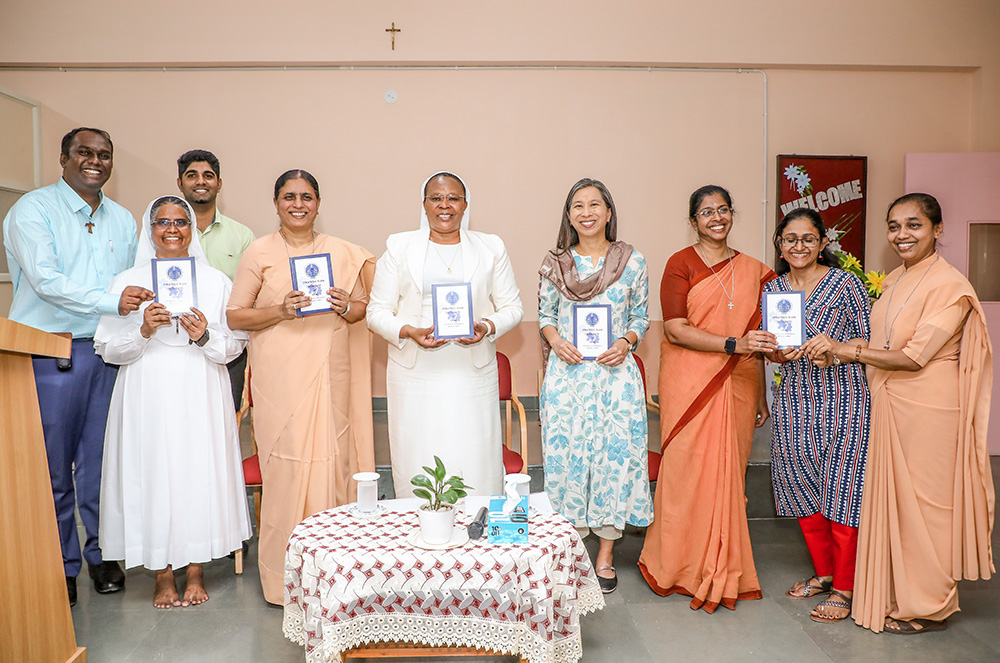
column 236, row 624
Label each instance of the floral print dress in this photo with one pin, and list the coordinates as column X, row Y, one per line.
column 594, row 430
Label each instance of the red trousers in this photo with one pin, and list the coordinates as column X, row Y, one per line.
column 833, row 548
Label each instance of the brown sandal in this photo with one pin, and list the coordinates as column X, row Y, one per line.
column 806, row 589
column 910, row 626
column 835, row 600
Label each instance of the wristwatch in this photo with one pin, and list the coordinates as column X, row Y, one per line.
column 201, row 341
column 730, row 345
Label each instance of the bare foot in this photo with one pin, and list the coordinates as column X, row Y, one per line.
column 165, row 593
column 194, row 592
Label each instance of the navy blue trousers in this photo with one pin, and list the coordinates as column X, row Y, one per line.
column 74, row 406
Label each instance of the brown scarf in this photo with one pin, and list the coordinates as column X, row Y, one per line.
column 560, row 269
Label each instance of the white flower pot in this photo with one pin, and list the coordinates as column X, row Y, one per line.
column 436, row 526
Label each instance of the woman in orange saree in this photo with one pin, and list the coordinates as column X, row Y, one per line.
column 928, row 504
column 312, row 414
column 711, row 398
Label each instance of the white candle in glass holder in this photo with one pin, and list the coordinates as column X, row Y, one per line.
column 367, row 491
column 521, row 481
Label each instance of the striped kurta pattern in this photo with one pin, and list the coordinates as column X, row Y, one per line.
column 819, row 440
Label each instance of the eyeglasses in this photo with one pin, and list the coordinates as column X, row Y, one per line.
column 808, row 241
column 454, row 200
column 709, row 213
column 166, row 223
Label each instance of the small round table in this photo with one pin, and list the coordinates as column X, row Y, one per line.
column 353, row 581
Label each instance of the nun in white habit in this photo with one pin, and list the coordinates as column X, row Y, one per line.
column 172, row 491
column 443, row 396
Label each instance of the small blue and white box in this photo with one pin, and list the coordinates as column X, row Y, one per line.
column 509, row 527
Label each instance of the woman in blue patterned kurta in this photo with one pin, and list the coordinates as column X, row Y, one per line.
column 819, row 441
column 593, row 411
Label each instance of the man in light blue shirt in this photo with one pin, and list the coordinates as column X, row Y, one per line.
column 199, row 177
column 64, row 244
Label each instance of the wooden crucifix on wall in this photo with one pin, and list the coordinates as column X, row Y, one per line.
column 393, row 30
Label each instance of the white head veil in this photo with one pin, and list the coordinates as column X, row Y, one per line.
column 146, row 250
column 424, row 223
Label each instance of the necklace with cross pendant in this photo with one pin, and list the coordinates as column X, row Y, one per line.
column 90, row 227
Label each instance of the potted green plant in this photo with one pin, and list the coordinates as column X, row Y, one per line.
column 437, row 517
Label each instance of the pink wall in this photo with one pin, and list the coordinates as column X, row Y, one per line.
column 966, row 187
column 843, row 77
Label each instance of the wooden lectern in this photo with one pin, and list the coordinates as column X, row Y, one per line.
column 35, row 620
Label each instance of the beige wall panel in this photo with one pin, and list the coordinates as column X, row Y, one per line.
column 844, row 32
column 520, row 138
column 845, row 76
column 821, row 34
column 881, row 115
column 17, row 143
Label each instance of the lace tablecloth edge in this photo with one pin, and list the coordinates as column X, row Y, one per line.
column 507, row 638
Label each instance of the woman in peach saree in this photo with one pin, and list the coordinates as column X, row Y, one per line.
column 312, row 414
column 927, row 509
column 711, row 395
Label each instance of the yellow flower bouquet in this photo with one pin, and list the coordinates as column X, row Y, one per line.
column 872, row 279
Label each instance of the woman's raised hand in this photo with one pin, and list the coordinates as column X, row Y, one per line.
column 480, row 330
column 757, row 340
column 194, row 323
column 616, row 353
column 339, row 299
column 821, row 350
column 566, row 350
column 156, row 315
column 788, row 354
column 294, row 300
column 424, row 337
column 819, row 345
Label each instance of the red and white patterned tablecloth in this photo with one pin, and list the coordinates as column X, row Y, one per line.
column 352, row 581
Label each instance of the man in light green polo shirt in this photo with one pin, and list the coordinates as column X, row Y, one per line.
column 224, row 240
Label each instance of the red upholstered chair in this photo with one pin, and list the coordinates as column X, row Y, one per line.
column 513, row 462
column 251, row 466
column 652, row 406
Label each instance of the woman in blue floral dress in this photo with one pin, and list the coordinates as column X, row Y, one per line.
column 819, row 442
column 593, row 411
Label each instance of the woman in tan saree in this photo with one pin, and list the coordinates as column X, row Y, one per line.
column 711, row 395
column 311, row 374
column 927, row 510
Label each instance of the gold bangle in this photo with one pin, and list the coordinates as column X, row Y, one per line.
column 857, row 353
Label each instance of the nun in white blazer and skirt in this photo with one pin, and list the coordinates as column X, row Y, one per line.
column 443, row 395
